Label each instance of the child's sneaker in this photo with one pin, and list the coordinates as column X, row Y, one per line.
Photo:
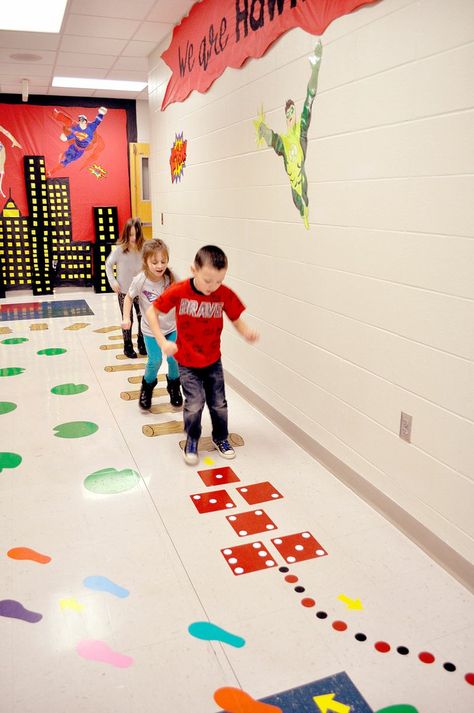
column 191, row 451
column 224, row 448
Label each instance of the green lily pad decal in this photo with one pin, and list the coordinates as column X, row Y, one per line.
column 15, row 340
column 51, row 351
column 110, row 481
column 75, row 429
column 6, row 407
column 11, row 371
column 69, row 389
column 9, row 460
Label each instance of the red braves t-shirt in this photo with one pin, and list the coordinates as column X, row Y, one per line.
column 199, row 320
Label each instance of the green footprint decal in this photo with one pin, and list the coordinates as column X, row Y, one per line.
column 52, row 351
column 14, row 340
column 9, row 460
column 110, row 481
column 6, row 407
column 68, row 389
column 11, row 371
column 75, row 429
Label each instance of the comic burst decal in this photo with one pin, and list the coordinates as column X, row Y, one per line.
column 97, row 171
column 178, row 157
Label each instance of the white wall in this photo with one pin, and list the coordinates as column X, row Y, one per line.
column 371, row 311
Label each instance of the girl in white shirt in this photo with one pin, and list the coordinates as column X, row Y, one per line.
column 155, row 277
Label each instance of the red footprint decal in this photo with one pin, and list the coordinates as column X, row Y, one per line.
column 25, row 553
column 233, row 700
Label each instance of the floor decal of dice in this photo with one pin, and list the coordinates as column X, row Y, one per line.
column 248, row 558
column 298, row 547
column 251, row 523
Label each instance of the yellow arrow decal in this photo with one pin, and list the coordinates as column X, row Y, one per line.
column 327, row 703
column 351, row 603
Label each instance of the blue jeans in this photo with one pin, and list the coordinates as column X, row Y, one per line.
column 201, row 386
column 155, row 357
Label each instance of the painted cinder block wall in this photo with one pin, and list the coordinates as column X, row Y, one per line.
column 370, row 312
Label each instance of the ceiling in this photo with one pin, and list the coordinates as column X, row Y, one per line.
column 103, row 39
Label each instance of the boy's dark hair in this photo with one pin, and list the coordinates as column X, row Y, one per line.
column 289, row 103
column 211, row 255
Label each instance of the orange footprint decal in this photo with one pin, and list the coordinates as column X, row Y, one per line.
column 234, row 700
column 25, row 553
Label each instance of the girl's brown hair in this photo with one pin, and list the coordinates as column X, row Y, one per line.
column 125, row 237
column 150, row 248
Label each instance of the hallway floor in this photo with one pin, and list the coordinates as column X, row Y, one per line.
column 132, row 583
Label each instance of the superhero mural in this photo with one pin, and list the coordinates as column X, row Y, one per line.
column 87, row 146
column 292, row 145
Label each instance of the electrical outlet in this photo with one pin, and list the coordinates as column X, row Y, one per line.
column 405, row 427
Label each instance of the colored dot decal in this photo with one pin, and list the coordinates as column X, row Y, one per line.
column 14, row 340
column 283, row 569
column 449, row 666
column 308, row 602
column 360, row 637
column 426, row 657
column 300, row 590
column 68, row 389
column 403, row 650
column 469, row 678
column 11, row 371
column 6, row 407
column 321, row 615
column 75, row 429
column 291, row 578
column 339, row 625
column 52, row 351
column 110, row 481
column 382, row 646
column 9, row 460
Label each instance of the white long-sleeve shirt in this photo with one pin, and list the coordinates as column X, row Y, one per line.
column 128, row 264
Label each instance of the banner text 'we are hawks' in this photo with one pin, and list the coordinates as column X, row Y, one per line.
column 248, row 13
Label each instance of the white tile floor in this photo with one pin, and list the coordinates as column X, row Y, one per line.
column 151, row 541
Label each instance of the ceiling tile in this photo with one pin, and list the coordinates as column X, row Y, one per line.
column 100, row 61
column 127, row 75
column 75, row 71
column 24, row 69
column 137, row 64
column 31, row 41
column 110, row 27
column 71, row 43
column 136, row 10
column 138, row 49
column 152, row 32
column 170, row 11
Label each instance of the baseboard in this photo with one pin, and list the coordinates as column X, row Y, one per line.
column 454, row 563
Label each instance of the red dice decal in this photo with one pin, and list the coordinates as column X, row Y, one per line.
column 259, row 493
column 218, row 476
column 251, row 523
column 211, row 502
column 299, row 547
column 248, row 558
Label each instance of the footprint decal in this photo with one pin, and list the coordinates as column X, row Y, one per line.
column 51, row 351
column 14, row 340
column 15, row 610
column 99, row 651
column 233, row 700
column 6, row 407
column 9, row 460
column 11, row 371
column 75, row 429
column 71, row 603
column 104, row 584
column 69, row 389
column 211, row 632
column 110, row 481
column 26, row 553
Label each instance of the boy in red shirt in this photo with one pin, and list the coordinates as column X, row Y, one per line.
column 200, row 303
